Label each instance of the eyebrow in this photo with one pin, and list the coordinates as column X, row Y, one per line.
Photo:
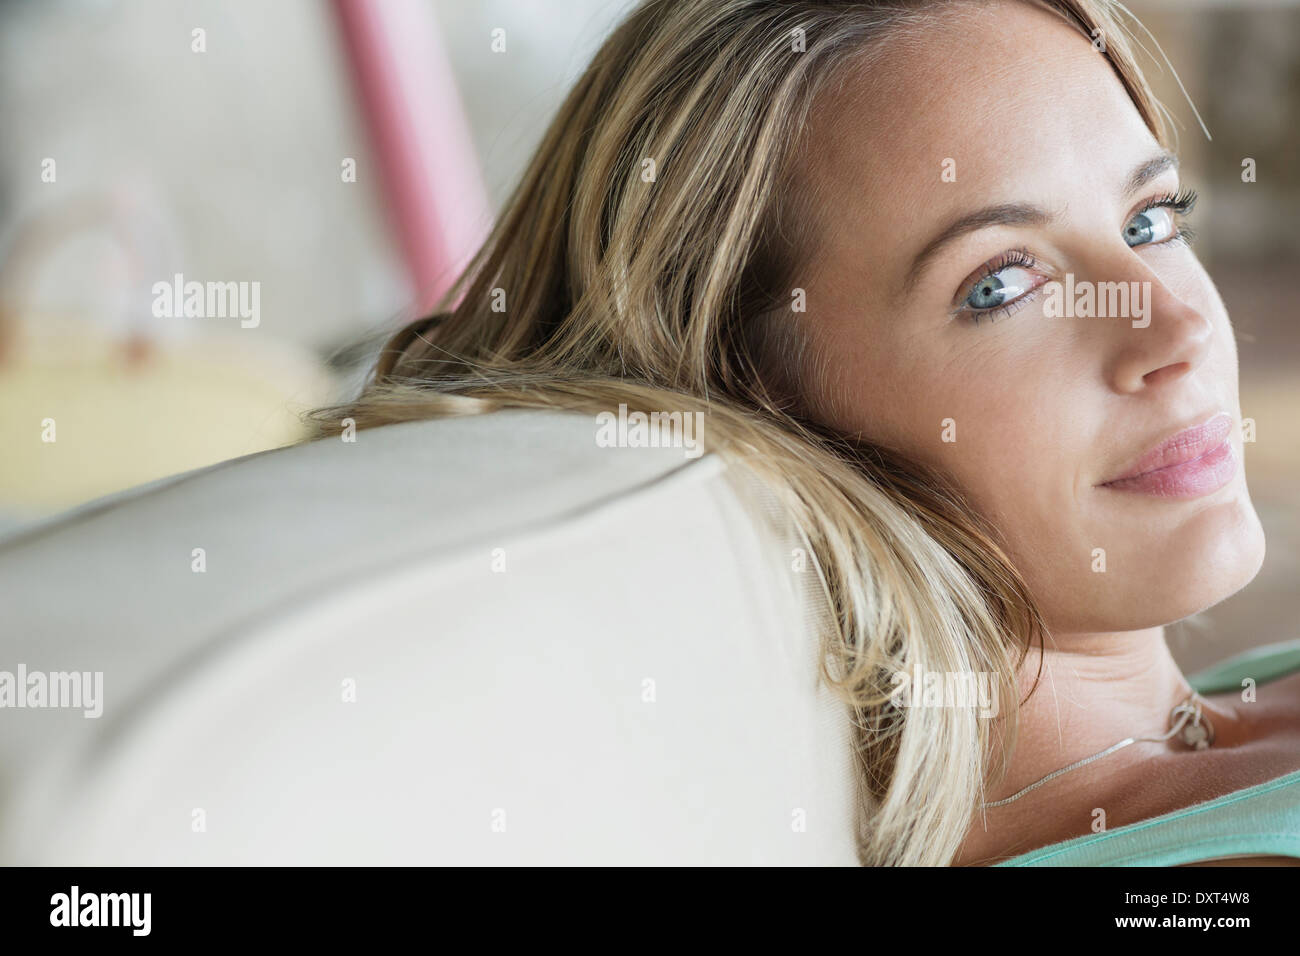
column 1149, row 170
column 1022, row 214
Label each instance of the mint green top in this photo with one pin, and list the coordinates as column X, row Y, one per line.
column 1263, row 820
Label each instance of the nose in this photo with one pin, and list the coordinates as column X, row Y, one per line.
column 1162, row 346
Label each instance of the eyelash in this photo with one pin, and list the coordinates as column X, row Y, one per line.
column 1018, row 258
column 1181, row 203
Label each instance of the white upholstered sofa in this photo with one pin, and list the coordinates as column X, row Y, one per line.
column 473, row 641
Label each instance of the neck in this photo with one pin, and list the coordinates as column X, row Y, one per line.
column 1094, row 690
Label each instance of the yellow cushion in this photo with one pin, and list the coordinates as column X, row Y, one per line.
column 186, row 404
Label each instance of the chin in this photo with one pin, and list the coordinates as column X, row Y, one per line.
column 1154, row 579
column 1230, row 559
column 1211, row 561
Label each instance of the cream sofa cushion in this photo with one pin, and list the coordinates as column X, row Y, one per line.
column 471, row 641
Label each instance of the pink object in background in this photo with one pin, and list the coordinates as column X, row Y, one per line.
column 421, row 138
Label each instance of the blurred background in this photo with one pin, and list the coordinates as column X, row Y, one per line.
column 327, row 165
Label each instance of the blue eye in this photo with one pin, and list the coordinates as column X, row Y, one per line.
column 1004, row 283
column 1009, row 283
column 1000, row 288
column 1157, row 222
column 1152, row 225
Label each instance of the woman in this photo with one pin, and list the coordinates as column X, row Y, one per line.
column 846, row 232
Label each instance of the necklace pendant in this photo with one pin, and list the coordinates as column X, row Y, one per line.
column 1195, row 729
column 1196, row 737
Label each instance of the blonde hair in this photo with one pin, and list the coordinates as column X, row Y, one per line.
column 659, row 295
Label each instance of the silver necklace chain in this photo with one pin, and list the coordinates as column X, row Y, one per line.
column 1198, row 735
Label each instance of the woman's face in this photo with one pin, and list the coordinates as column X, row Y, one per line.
column 981, row 158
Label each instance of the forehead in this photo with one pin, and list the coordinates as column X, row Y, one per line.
column 1014, row 100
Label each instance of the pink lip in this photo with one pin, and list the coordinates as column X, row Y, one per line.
column 1192, row 463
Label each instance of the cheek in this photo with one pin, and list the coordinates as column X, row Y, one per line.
column 1001, row 429
column 1015, row 456
column 1005, row 429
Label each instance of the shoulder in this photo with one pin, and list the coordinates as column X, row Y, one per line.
column 1258, row 665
